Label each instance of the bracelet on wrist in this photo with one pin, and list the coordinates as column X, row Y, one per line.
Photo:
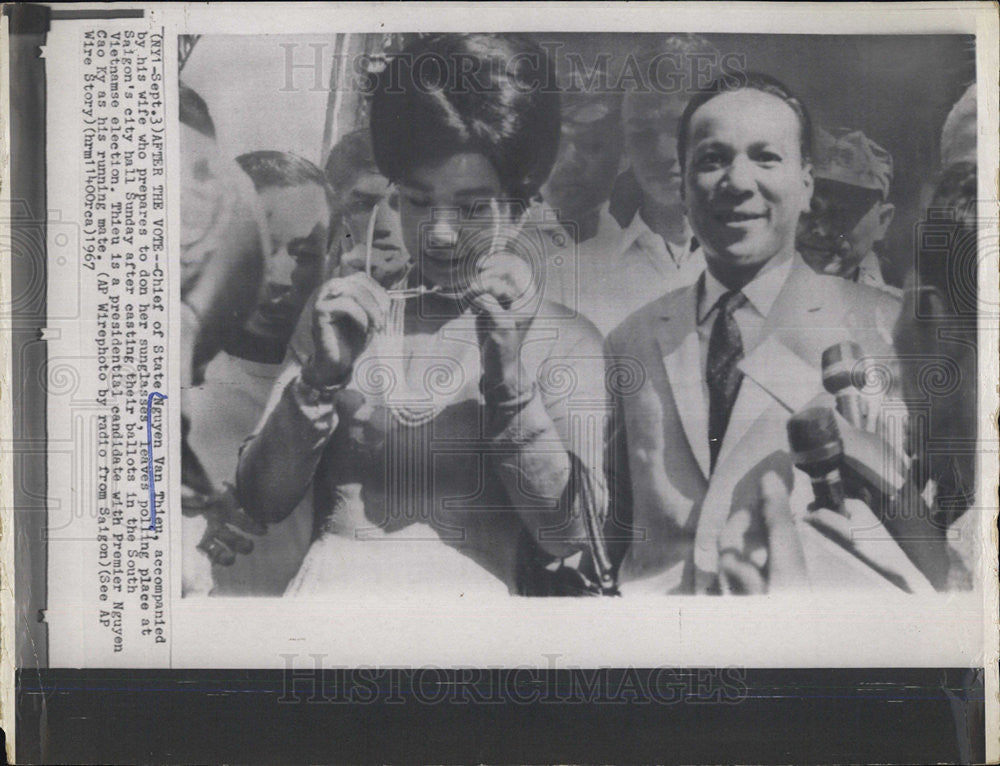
column 320, row 393
column 499, row 398
column 312, row 396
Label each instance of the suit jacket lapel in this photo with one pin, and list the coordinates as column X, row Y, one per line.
column 802, row 303
column 777, row 365
column 797, row 307
column 677, row 335
column 803, row 298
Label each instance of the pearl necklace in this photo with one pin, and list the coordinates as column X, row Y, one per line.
column 382, row 374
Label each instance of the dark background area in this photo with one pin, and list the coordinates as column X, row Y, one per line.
column 897, row 89
column 816, row 715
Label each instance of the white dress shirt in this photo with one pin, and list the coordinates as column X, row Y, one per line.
column 616, row 272
column 760, row 295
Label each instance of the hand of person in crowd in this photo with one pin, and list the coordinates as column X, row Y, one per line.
column 878, row 474
column 226, row 521
column 501, row 294
column 884, row 523
column 761, row 553
column 872, row 465
column 858, row 531
column 347, row 313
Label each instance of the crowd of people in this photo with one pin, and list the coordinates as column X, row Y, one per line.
column 516, row 340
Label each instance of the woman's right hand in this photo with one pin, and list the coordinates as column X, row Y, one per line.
column 347, row 313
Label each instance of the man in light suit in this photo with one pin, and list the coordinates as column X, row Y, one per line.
column 716, row 368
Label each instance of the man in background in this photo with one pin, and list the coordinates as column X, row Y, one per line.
column 223, row 241
column 939, row 321
column 659, row 245
column 297, row 205
column 360, row 191
column 581, row 254
column 850, row 210
column 223, row 237
column 589, row 160
column 643, row 245
column 652, row 248
column 959, row 136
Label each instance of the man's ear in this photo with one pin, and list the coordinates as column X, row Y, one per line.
column 885, row 216
column 808, row 183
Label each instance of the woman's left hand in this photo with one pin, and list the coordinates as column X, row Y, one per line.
column 503, row 295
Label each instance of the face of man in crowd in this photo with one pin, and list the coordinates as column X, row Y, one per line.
column 389, row 259
column 445, row 213
column 651, row 123
column 588, row 162
column 298, row 222
column 746, row 183
column 200, row 200
column 358, row 201
column 841, row 227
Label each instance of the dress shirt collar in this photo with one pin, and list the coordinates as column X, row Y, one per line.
column 632, row 232
column 760, row 293
column 645, row 239
column 608, row 234
column 870, row 271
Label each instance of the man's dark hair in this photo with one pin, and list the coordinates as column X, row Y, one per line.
column 349, row 157
column 750, row 81
column 426, row 106
column 270, row 169
column 194, row 111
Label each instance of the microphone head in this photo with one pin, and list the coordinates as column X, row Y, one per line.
column 814, row 438
column 839, row 364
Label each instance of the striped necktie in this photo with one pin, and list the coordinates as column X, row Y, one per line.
column 725, row 349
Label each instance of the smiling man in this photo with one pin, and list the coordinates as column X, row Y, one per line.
column 726, row 360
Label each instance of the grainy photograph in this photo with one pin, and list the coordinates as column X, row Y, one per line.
column 499, row 382
column 593, row 314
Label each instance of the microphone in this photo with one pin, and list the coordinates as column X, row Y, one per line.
column 839, row 364
column 817, row 449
